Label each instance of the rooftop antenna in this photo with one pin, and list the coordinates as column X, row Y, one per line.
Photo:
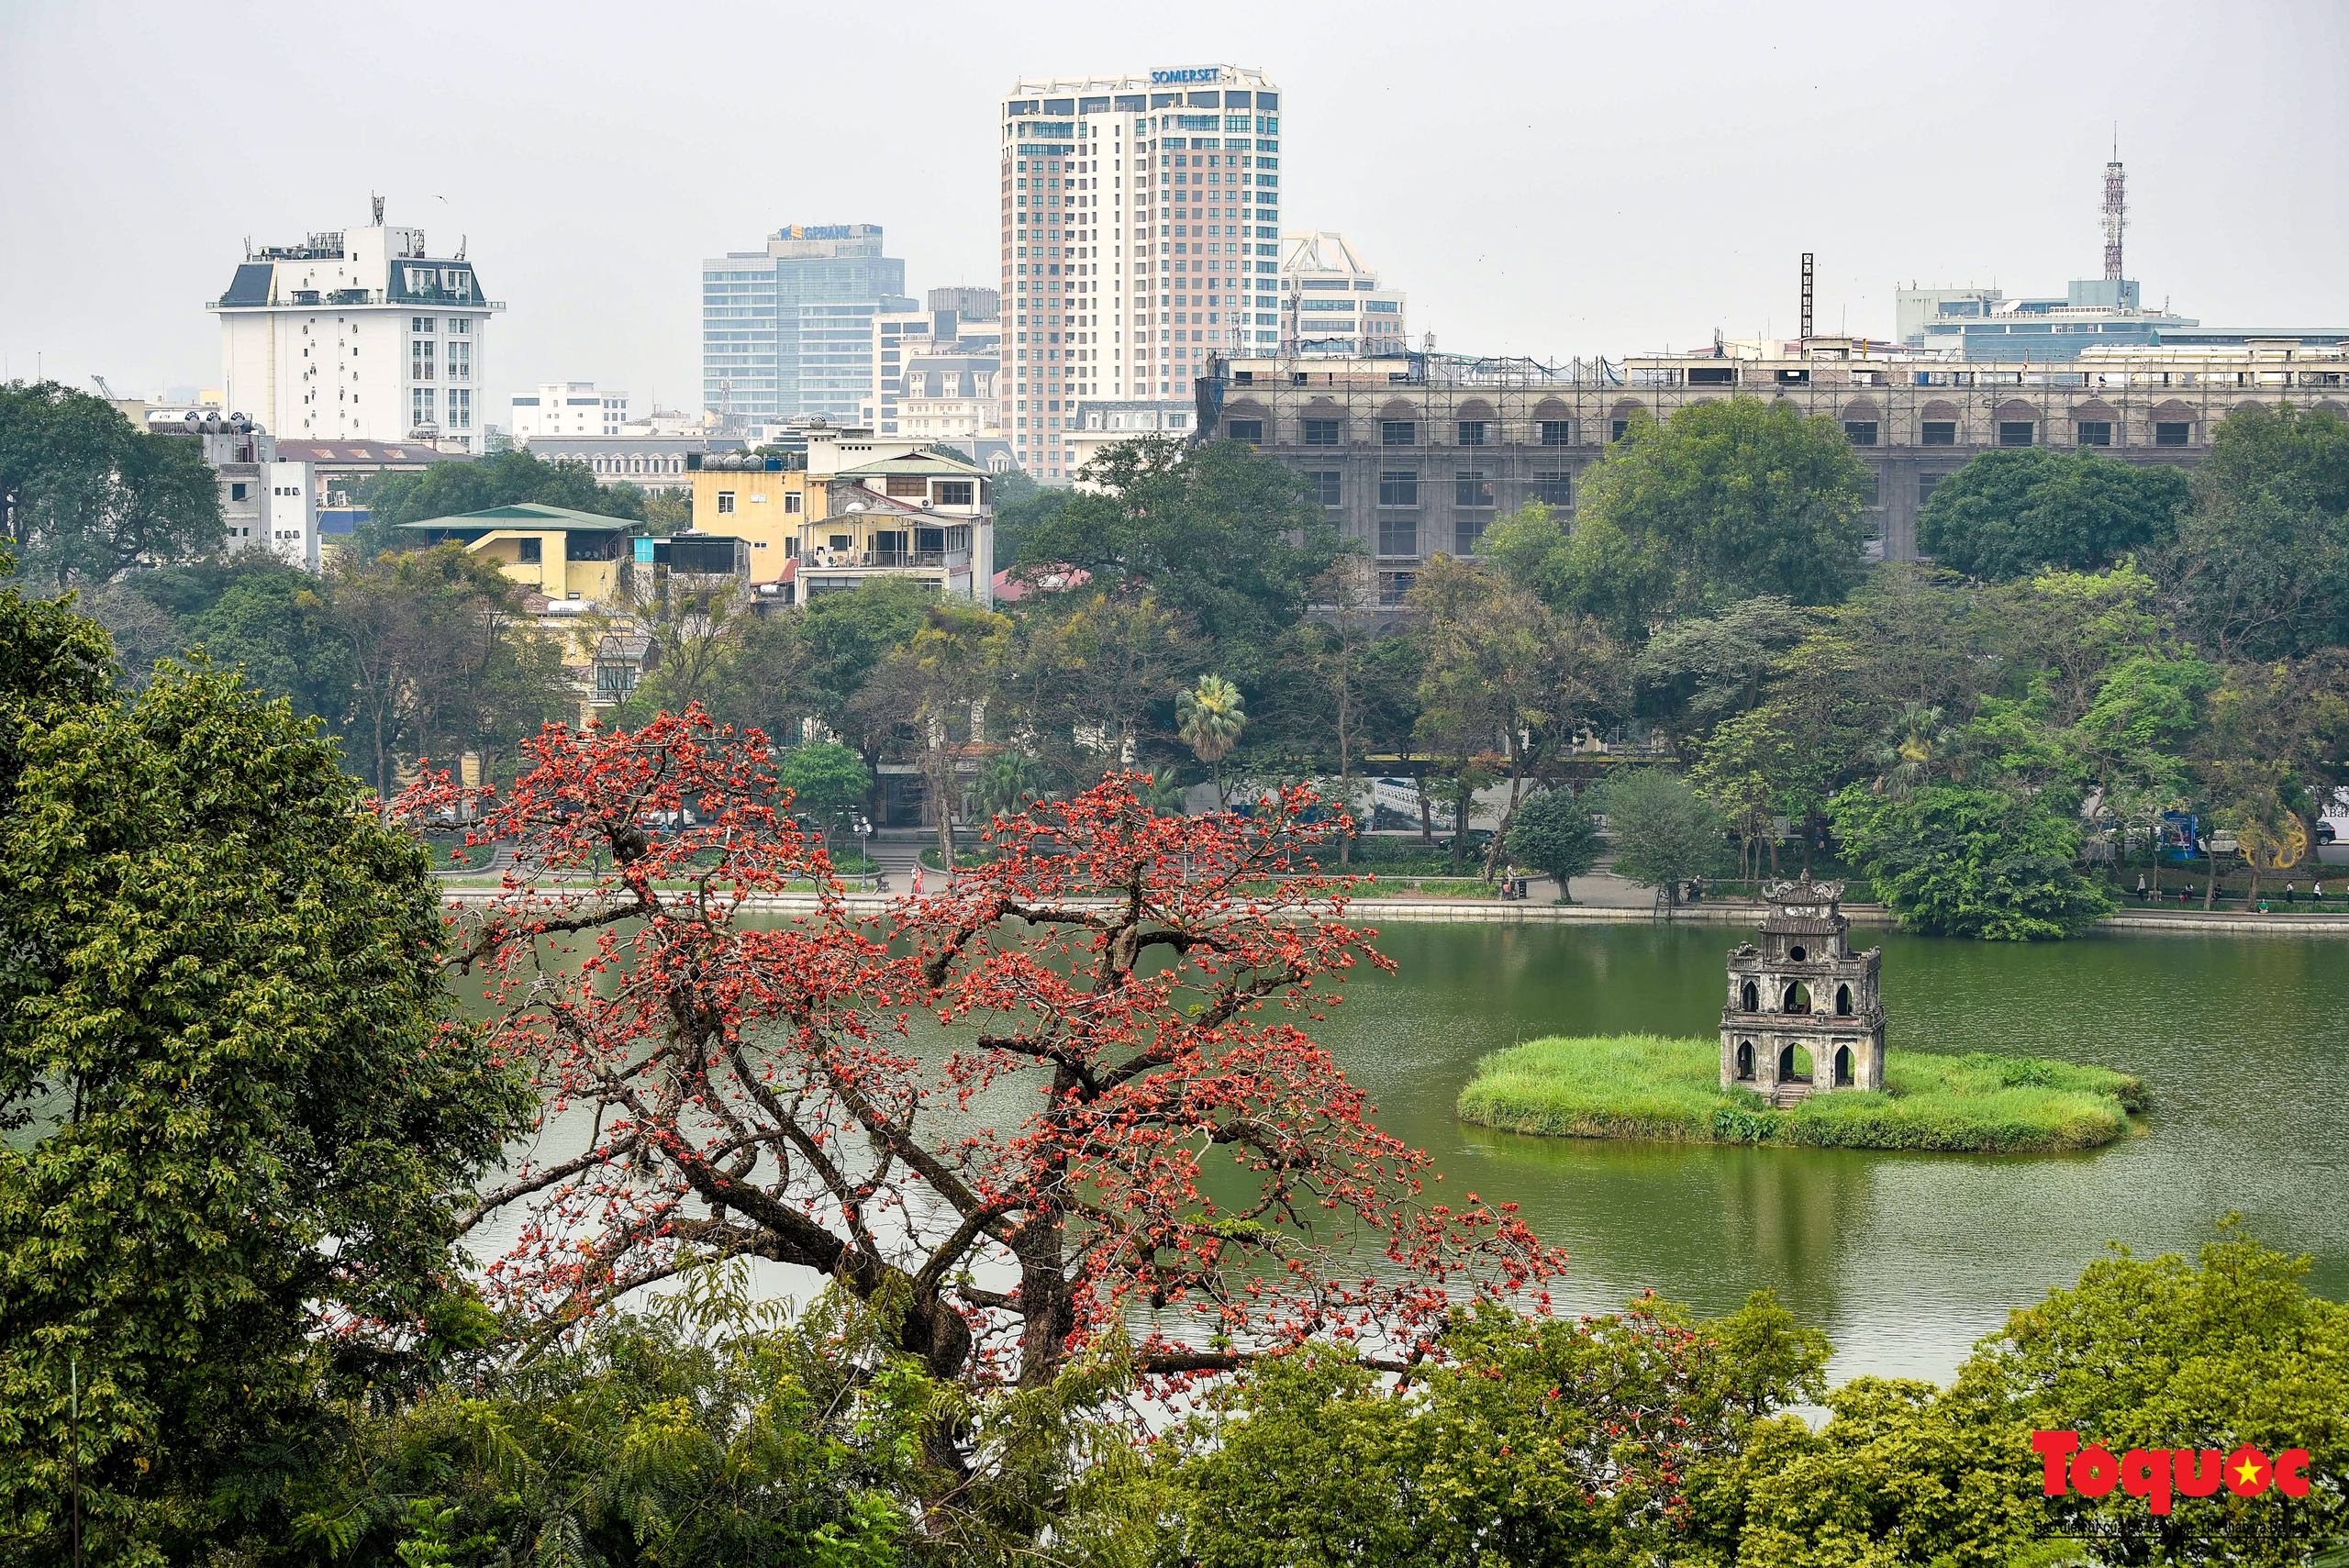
column 461, row 246
column 377, row 203
column 2116, row 213
column 1806, row 295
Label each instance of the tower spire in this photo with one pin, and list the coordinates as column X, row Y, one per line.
column 2115, row 213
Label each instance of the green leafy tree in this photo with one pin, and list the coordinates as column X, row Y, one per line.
column 1552, row 833
column 448, row 489
column 279, row 628
column 85, row 498
column 713, row 1427
column 1696, row 672
column 2011, row 514
column 826, row 780
column 241, row 1117
column 930, row 686
column 1971, row 860
column 1524, row 1442
column 1663, row 832
column 1735, row 497
column 1229, row 540
column 2260, row 566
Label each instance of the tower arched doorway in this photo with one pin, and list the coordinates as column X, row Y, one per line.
column 1797, row 999
column 1843, row 1067
column 1843, row 1001
column 1794, row 1064
column 1745, row 1061
column 1749, row 997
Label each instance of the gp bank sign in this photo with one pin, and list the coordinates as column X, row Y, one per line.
column 1187, row 74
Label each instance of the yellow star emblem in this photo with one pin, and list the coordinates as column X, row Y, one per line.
column 2247, row 1473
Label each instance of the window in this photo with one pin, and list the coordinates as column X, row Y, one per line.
column 953, row 493
column 725, row 502
column 1394, row 587
column 1860, row 432
column 1249, row 430
column 237, row 491
column 909, row 486
column 1327, row 486
column 1555, row 489
column 791, row 501
column 2015, row 433
column 1873, row 491
column 1466, row 533
column 419, row 360
column 461, row 409
column 461, row 361
column 1399, row 488
column 1925, row 484
column 1615, row 429
column 1471, row 487
column 2096, row 433
column 1472, row 432
column 1940, row 433
column 1397, row 433
column 1322, row 432
column 2168, row 435
column 1713, row 375
column 1557, row 432
column 527, row 550
column 1399, row 536
column 420, row 405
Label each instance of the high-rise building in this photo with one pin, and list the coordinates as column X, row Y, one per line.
column 1140, row 234
column 357, row 335
column 573, row 409
column 1331, row 301
column 785, row 330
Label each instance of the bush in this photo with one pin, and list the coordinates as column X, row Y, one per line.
column 1554, row 834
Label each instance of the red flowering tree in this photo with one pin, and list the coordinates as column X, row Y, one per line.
column 1069, row 1094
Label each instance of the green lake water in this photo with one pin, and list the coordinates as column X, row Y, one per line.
column 1905, row 1260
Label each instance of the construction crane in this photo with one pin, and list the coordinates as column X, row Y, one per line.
column 104, row 390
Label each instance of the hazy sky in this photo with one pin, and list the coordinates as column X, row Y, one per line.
column 1546, row 180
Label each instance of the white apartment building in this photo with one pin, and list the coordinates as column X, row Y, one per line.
column 1140, row 234
column 1331, row 301
column 358, row 335
column 934, row 370
column 266, row 503
column 568, row 409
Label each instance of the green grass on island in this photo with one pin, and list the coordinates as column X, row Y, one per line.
column 1645, row 1086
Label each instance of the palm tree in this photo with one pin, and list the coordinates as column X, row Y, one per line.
column 1210, row 718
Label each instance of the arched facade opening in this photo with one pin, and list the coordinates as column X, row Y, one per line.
column 1745, row 1061
column 1798, row 998
column 1794, row 1064
column 1749, row 997
column 1843, row 1067
column 1843, row 1001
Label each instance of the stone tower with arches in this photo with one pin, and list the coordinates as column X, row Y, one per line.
column 1805, row 1014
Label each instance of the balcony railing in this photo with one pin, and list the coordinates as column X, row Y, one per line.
column 897, row 559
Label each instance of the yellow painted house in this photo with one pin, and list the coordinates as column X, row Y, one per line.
column 565, row 555
column 761, row 498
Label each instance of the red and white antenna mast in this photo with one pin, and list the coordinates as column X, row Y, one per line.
column 2115, row 213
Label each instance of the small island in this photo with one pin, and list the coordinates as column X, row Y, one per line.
column 1646, row 1086
column 1800, row 1060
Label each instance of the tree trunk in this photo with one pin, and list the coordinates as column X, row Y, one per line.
column 941, row 796
column 1460, row 830
column 1426, row 812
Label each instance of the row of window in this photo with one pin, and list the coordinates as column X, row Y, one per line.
column 1471, row 488
column 1560, row 432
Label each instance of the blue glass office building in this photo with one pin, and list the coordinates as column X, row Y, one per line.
column 788, row 330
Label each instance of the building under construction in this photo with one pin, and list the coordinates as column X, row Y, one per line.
column 1416, row 455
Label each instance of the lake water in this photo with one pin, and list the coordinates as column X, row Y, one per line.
column 1905, row 1260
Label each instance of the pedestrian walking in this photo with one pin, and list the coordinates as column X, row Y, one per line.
column 2143, row 892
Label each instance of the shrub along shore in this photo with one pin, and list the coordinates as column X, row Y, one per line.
column 1646, row 1086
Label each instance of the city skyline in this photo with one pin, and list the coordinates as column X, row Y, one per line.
column 1552, row 184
